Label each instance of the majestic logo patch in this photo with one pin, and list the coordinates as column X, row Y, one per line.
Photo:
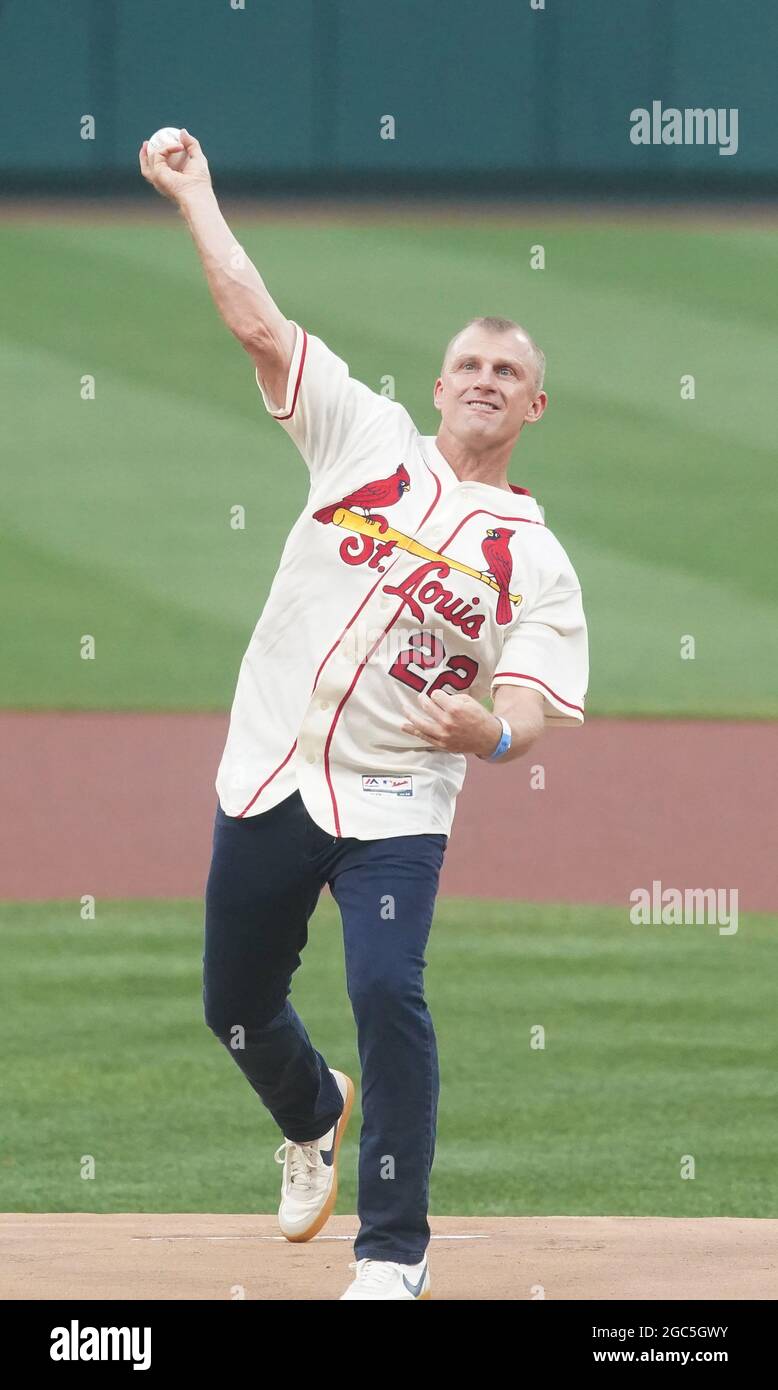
column 388, row 786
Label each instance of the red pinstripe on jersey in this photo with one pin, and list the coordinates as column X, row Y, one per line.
column 267, row 781
column 484, row 511
column 296, row 393
column 523, row 676
column 333, row 648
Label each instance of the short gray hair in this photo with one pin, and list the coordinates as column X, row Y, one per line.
column 494, row 324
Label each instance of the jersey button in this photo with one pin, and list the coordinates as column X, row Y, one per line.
column 324, row 704
column 311, row 758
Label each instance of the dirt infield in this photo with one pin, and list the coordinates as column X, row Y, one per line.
column 184, row 1256
column 121, row 806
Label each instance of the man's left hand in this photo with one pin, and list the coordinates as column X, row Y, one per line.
column 455, row 724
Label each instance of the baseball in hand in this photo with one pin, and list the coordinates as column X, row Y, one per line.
column 167, row 139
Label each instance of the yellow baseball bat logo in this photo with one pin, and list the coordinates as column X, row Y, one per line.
column 352, row 521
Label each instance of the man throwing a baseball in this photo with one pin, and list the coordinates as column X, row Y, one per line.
column 416, row 583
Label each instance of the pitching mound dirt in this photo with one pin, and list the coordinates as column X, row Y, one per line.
column 193, row 1256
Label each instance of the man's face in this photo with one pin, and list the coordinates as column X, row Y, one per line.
column 486, row 390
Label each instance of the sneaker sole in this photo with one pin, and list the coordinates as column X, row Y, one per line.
column 324, row 1215
column 417, row 1299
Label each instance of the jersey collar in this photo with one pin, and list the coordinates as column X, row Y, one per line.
column 445, row 472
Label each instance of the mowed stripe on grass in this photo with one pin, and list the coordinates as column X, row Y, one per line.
column 118, row 509
column 659, row 1044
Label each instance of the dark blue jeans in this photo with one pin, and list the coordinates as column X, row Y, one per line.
column 266, row 875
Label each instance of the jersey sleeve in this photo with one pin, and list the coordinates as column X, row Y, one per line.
column 548, row 650
column 325, row 412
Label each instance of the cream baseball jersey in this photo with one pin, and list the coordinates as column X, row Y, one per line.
column 396, row 578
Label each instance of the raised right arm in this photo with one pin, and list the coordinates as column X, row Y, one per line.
column 237, row 288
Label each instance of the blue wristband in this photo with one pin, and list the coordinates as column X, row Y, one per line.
column 502, row 746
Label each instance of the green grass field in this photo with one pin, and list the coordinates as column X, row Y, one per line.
column 659, row 1043
column 115, row 512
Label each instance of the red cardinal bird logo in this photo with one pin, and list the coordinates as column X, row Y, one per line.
column 499, row 564
column 384, row 492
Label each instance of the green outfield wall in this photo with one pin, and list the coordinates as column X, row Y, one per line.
column 356, row 94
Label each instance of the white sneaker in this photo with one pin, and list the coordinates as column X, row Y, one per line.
column 309, row 1185
column 383, row 1279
